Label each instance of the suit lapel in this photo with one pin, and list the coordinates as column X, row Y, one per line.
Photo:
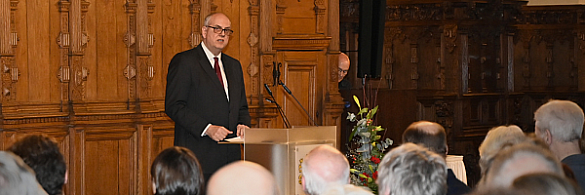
column 205, row 65
column 229, row 75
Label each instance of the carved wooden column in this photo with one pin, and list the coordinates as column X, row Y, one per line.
column 264, row 112
column 8, row 43
column 130, row 42
column 64, row 42
column 333, row 100
column 280, row 8
column 144, row 42
column 265, row 30
column 79, row 40
column 580, row 57
column 526, row 38
column 196, row 23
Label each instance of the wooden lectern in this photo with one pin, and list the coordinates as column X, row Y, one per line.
column 282, row 150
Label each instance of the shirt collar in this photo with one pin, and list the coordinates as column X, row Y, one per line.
column 208, row 53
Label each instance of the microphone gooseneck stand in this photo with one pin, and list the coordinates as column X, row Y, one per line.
column 280, row 111
column 290, row 93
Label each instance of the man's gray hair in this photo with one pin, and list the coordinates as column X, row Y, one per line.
column 518, row 160
column 323, row 168
column 412, row 170
column 563, row 118
column 16, row 177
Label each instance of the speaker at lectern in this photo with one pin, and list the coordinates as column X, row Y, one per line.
column 282, row 150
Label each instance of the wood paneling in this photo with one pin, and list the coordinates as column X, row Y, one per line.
column 473, row 65
column 93, row 74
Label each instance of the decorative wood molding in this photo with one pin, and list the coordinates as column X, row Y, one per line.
column 129, row 41
column 555, row 15
column 450, row 34
column 8, row 45
column 414, row 12
column 305, row 42
column 195, row 37
column 267, row 61
column 79, row 40
column 320, row 19
column 581, row 40
column 280, row 8
column 253, row 70
column 64, row 42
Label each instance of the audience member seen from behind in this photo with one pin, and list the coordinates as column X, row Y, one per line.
column 546, row 184
column 518, row 160
column 497, row 139
column 41, row 153
column 176, row 171
column 16, row 178
column 433, row 136
column 559, row 123
column 242, row 178
column 325, row 170
column 412, row 170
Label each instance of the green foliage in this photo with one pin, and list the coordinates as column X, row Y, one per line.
column 364, row 160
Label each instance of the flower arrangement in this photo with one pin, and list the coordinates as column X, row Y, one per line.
column 370, row 149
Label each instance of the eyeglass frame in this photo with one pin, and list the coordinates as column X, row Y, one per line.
column 218, row 30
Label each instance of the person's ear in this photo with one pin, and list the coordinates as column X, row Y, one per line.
column 66, row 176
column 303, row 183
column 547, row 137
column 153, row 188
column 446, row 149
column 204, row 31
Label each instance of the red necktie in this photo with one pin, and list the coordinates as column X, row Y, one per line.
column 218, row 71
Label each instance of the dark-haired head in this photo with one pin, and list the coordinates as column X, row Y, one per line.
column 42, row 154
column 429, row 134
column 176, row 171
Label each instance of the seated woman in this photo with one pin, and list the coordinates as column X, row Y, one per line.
column 176, row 171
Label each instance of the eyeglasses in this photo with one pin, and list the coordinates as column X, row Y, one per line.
column 218, row 30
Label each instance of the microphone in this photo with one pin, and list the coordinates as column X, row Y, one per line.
column 285, row 88
column 269, row 100
column 280, row 111
column 268, row 89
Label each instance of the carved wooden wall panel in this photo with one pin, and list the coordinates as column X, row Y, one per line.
column 93, row 74
column 112, row 147
column 300, row 70
column 473, row 65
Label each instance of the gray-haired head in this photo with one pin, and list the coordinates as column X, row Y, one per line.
column 16, row 177
column 563, row 118
column 412, row 170
column 497, row 139
column 546, row 184
column 518, row 160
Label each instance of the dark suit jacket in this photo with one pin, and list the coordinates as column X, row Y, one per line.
column 454, row 185
column 577, row 164
column 195, row 98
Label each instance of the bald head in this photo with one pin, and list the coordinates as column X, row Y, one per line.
column 343, row 66
column 244, row 178
column 431, row 135
column 324, row 166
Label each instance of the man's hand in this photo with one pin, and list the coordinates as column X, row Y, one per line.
column 218, row 133
column 241, row 130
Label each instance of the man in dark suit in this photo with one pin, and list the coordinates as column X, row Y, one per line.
column 433, row 136
column 206, row 97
